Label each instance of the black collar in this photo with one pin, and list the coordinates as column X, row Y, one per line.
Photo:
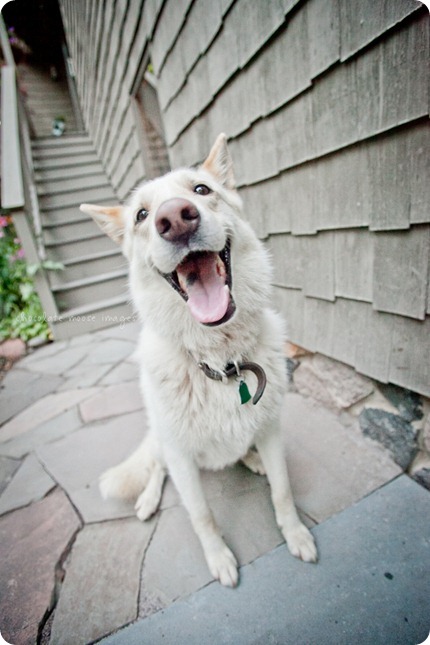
column 235, row 369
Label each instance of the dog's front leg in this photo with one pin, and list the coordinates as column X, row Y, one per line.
column 298, row 538
column 186, row 477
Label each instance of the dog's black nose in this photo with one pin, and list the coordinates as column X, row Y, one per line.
column 176, row 220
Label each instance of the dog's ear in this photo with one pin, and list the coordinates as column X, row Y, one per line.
column 109, row 218
column 219, row 162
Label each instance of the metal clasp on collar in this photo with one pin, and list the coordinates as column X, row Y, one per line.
column 235, row 369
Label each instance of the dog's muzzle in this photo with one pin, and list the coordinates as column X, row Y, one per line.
column 203, row 277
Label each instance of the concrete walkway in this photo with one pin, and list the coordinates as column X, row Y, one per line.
column 75, row 569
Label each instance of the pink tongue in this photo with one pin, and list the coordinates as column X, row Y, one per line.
column 208, row 295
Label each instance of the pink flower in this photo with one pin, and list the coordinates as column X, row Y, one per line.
column 3, row 221
column 20, row 254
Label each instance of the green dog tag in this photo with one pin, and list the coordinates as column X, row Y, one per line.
column 244, row 392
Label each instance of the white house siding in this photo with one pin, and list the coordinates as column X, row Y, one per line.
column 326, row 106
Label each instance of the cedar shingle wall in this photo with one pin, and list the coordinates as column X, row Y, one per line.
column 326, row 106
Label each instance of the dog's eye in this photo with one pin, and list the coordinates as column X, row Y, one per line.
column 141, row 215
column 202, row 189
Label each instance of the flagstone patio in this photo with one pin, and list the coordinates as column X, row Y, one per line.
column 75, row 568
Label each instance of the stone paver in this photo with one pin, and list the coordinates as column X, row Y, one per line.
column 335, row 385
column 112, row 401
column 371, row 586
column 129, row 330
column 85, row 416
column 57, row 362
column 331, row 466
column 108, row 351
column 175, row 566
column 20, row 388
column 32, row 542
column 82, row 376
column 7, row 469
column 46, row 408
column 101, row 587
column 122, row 373
column 30, row 483
column 46, row 432
column 77, row 461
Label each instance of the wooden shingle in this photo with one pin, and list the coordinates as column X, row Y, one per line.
column 255, row 153
column 342, row 189
column 172, row 77
column 171, row 19
column 300, row 191
column 242, row 99
column 290, row 302
column 398, row 66
column 410, row 357
column 284, row 66
column 293, row 129
column 254, row 209
column 203, row 22
column 223, row 56
column 354, row 251
column 374, row 343
column 390, row 168
column 334, row 109
column 401, row 269
column 254, row 23
column 278, row 202
column 362, row 22
column 288, row 259
column 318, row 319
column 418, row 154
column 323, row 35
column 318, row 261
column 348, row 324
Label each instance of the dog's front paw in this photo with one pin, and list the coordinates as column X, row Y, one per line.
column 146, row 505
column 223, row 566
column 301, row 543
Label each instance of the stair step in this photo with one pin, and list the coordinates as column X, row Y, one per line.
column 80, row 229
column 70, row 250
column 63, row 172
column 68, row 214
column 91, row 280
column 90, row 257
column 103, row 314
column 87, row 291
column 55, row 152
column 72, row 184
column 65, row 161
column 88, row 195
column 59, row 142
column 88, row 266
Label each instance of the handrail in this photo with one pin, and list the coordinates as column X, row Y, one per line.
column 18, row 186
column 12, row 187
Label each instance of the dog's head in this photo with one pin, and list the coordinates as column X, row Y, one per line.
column 181, row 227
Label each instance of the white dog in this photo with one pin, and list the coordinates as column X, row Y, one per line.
column 213, row 372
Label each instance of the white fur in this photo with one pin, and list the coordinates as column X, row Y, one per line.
column 196, row 422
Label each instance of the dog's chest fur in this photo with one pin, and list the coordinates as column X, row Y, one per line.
column 206, row 417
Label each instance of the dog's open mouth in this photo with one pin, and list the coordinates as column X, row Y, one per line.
column 203, row 279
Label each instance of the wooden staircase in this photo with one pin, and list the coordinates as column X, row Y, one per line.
column 91, row 292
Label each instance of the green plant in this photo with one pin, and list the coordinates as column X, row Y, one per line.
column 21, row 313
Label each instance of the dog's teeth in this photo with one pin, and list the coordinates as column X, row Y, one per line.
column 220, row 267
column 182, row 282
